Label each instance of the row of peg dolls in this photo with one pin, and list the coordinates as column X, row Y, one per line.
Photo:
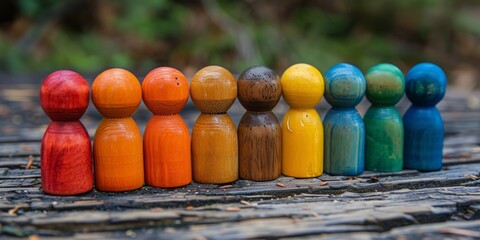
column 260, row 149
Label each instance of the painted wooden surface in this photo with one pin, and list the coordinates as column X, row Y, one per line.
column 383, row 123
column 259, row 132
column 66, row 152
column 399, row 205
column 214, row 137
column 166, row 139
column 302, row 130
column 424, row 130
column 117, row 145
column 344, row 129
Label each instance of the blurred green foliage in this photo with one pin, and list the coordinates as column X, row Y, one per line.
column 90, row 36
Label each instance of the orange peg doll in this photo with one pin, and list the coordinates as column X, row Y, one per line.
column 117, row 146
column 214, row 137
column 166, row 141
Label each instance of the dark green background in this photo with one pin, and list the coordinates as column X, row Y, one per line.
column 90, row 36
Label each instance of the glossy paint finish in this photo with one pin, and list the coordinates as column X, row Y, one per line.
column 302, row 133
column 424, row 131
column 302, row 85
column 383, row 123
column 344, row 129
column 302, row 130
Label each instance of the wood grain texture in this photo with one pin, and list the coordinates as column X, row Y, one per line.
column 424, row 131
column 259, row 132
column 399, row 205
column 259, row 146
column 66, row 159
column 167, row 152
column 116, row 93
column 166, row 139
column 118, row 155
column 214, row 149
column 213, row 89
column 345, row 85
column 165, row 90
column 259, row 89
column 426, row 84
column 117, row 146
column 423, row 138
column 383, row 123
column 214, row 137
column 66, row 153
column 384, row 139
column 344, row 142
column 64, row 95
column 344, row 128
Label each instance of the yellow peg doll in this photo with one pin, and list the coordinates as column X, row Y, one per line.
column 302, row 130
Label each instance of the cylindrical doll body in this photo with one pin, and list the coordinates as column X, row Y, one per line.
column 214, row 150
column 66, row 159
column 302, row 132
column 384, row 139
column 117, row 148
column 344, row 142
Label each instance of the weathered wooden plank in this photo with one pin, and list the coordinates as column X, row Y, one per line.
column 194, row 194
column 295, row 216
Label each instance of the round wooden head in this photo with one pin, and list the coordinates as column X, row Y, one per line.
column 165, row 90
column 425, row 84
column 385, row 84
column 344, row 85
column 259, row 89
column 302, row 85
column 116, row 93
column 213, row 89
column 64, row 96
